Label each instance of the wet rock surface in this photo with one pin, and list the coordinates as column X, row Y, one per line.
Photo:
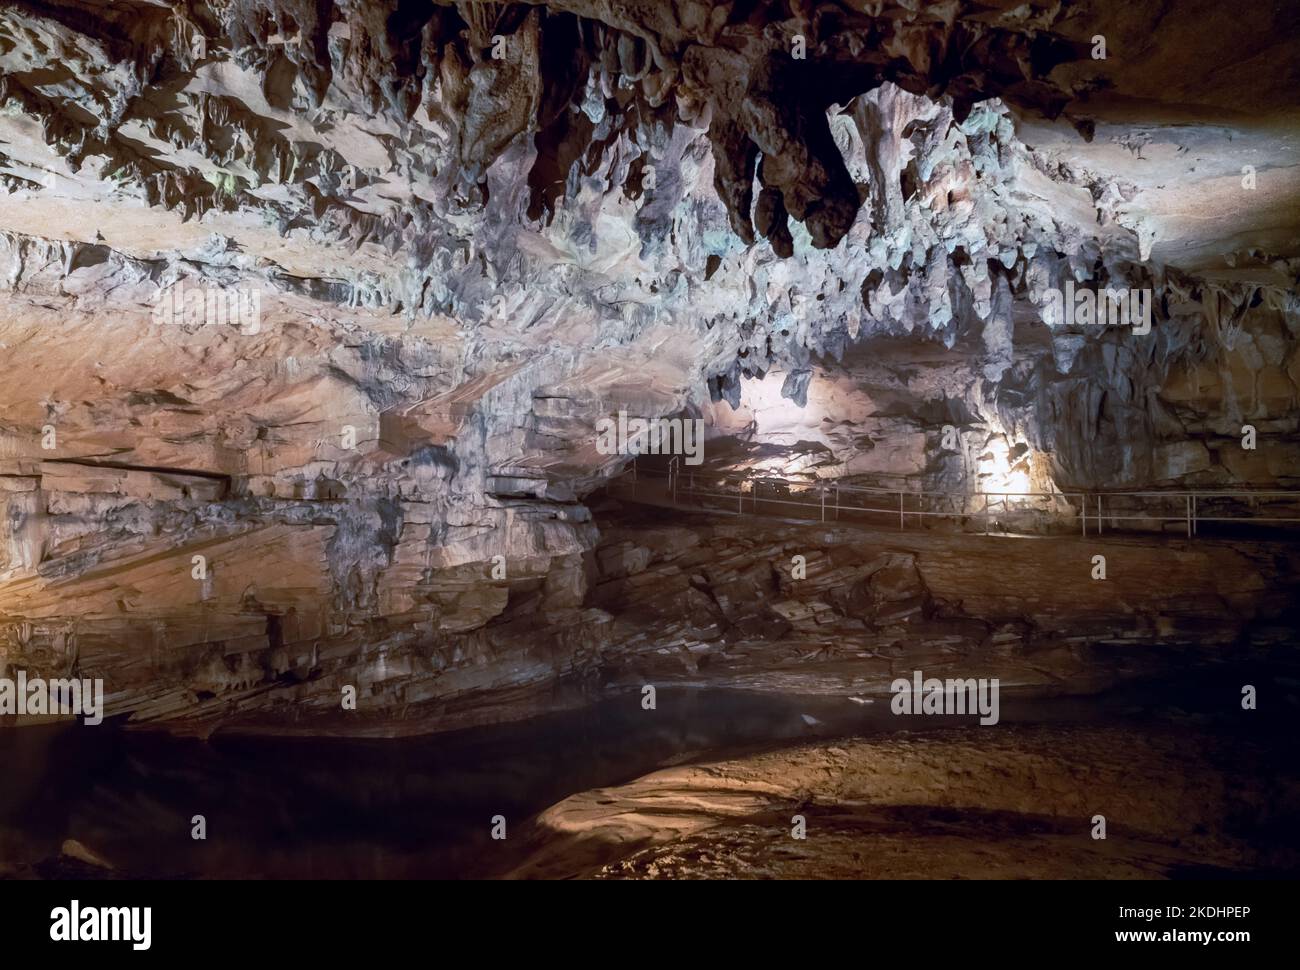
column 112, row 804
column 1018, row 803
column 674, row 600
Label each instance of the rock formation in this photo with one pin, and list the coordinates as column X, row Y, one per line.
column 310, row 309
column 922, row 808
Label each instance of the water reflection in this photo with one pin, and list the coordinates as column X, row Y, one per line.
column 328, row 808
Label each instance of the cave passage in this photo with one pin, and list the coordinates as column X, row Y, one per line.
column 575, row 440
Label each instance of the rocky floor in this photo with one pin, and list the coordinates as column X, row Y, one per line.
column 1017, row 802
column 667, row 598
column 716, row 602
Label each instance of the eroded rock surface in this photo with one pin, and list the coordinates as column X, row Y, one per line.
column 941, row 806
column 471, row 230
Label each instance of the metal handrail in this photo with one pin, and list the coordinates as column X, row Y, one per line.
column 742, row 484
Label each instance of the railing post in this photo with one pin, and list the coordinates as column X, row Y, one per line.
column 960, row 509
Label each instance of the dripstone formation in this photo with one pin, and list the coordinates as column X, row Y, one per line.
column 412, row 252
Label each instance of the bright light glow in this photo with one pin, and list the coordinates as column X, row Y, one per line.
column 996, row 473
column 774, row 419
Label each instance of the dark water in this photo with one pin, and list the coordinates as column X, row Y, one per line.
column 422, row 807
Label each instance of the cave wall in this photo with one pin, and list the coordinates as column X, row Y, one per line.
column 461, row 261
